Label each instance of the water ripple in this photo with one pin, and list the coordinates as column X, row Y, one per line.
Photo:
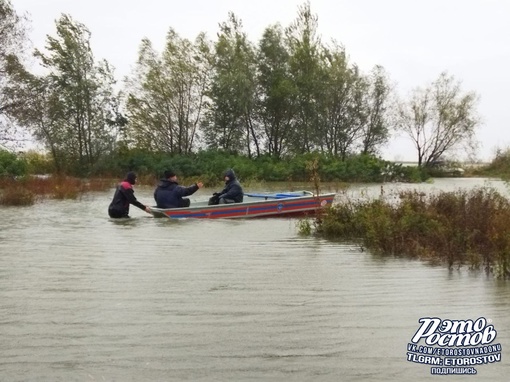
column 85, row 297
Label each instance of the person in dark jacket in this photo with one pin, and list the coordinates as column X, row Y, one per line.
column 169, row 194
column 123, row 197
column 232, row 193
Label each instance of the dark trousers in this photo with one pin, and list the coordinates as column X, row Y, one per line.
column 117, row 214
column 184, row 203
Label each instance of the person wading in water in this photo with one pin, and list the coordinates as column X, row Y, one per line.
column 123, row 197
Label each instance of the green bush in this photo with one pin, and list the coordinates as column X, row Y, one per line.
column 499, row 166
column 462, row 227
column 11, row 164
column 38, row 163
column 209, row 165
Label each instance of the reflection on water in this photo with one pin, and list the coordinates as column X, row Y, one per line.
column 84, row 297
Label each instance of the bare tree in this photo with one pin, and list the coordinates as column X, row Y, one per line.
column 438, row 118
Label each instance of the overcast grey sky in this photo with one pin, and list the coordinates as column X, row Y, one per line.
column 414, row 40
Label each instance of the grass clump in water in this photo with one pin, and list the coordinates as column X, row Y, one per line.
column 25, row 191
column 17, row 196
column 456, row 228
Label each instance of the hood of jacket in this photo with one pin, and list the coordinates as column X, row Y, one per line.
column 231, row 174
column 130, row 177
column 165, row 183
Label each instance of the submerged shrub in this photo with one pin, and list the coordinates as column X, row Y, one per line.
column 304, row 227
column 99, row 184
column 24, row 191
column 16, row 195
column 456, row 228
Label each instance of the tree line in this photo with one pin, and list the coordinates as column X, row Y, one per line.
column 287, row 95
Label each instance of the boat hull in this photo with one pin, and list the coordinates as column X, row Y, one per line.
column 258, row 205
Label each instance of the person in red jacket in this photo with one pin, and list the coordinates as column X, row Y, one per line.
column 123, row 197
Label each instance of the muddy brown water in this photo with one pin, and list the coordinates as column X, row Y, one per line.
column 87, row 298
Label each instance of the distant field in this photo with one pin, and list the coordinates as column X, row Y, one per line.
column 463, row 165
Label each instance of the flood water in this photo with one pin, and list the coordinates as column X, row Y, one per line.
column 87, row 298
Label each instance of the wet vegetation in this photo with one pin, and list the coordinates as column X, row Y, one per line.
column 24, row 178
column 499, row 167
column 453, row 228
column 30, row 177
column 210, row 164
column 29, row 189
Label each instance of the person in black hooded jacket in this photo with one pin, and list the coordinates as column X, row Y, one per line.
column 169, row 194
column 232, row 193
column 123, row 197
